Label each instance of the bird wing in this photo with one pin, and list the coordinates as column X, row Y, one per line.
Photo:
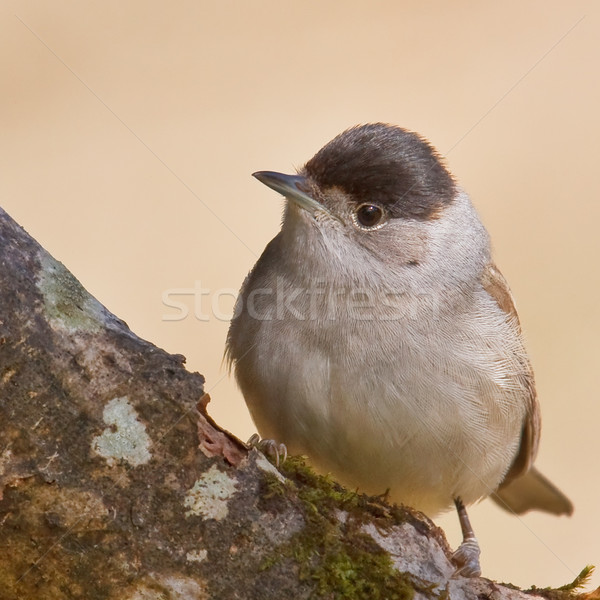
column 524, row 487
column 495, row 285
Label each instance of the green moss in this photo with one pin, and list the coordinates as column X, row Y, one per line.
column 568, row 591
column 353, row 566
column 344, row 562
column 275, row 487
column 331, row 550
column 579, row 581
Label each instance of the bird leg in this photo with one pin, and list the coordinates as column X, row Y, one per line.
column 466, row 557
column 269, row 447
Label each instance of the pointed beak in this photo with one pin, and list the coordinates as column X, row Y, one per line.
column 292, row 187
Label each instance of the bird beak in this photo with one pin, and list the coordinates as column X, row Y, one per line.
column 292, row 187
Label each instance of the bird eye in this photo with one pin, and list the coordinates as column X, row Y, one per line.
column 369, row 216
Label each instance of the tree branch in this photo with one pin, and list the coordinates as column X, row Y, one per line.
column 115, row 483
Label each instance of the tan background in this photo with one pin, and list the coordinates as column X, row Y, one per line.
column 128, row 132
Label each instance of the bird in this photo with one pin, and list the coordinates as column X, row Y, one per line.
column 376, row 336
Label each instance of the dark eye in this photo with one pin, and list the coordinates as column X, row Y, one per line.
column 369, row 216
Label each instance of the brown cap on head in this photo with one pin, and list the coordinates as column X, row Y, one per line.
column 385, row 165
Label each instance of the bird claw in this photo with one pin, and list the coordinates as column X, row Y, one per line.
column 466, row 558
column 269, row 447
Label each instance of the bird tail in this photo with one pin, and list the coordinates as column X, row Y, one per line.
column 532, row 491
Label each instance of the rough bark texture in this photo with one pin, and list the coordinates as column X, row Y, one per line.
column 115, row 484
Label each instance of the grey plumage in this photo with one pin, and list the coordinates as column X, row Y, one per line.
column 376, row 336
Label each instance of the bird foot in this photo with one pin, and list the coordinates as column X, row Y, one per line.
column 466, row 558
column 269, row 447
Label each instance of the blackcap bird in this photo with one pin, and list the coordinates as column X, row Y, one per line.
column 376, row 336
